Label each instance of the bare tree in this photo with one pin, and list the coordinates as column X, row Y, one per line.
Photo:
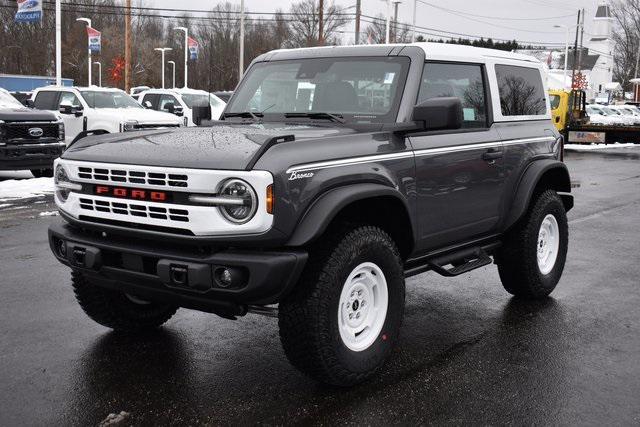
column 627, row 40
column 303, row 28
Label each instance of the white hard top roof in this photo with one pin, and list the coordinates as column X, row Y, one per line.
column 83, row 88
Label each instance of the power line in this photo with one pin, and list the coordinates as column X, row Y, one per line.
column 496, row 17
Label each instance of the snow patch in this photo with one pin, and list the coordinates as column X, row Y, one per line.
column 590, row 147
column 52, row 213
column 24, row 188
column 114, row 419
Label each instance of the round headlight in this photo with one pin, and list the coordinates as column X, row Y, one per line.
column 245, row 197
column 61, row 177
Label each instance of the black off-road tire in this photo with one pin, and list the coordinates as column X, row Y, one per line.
column 42, row 173
column 115, row 310
column 517, row 259
column 308, row 318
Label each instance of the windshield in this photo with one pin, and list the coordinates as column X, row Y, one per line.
column 555, row 101
column 611, row 111
column 100, row 99
column 200, row 100
column 362, row 90
column 8, row 101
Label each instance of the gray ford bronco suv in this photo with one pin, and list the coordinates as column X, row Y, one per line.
column 334, row 174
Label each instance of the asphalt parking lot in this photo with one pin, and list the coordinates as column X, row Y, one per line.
column 468, row 353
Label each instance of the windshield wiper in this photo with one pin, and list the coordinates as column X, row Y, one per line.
column 254, row 116
column 333, row 117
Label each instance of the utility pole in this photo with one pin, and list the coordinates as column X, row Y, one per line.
column 358, row 13
column 413, row 28
column 395, row 20
column 575, row 53
column 241, row 61
column 321, row 23
column 386, row 36
column 58, row 44
column 581, row 45
column 127, row 47
column 88, row 22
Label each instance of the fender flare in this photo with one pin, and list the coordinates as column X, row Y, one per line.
column 325, row 208
column 527, row 185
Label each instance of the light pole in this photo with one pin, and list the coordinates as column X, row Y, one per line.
column 58, row 44
column 395, row 20
column 186, row 52
column 88, row 22
column 99, row 72
column 163, row 50
column 566, row 54
column 241, row 62
column 413, row 28
column 173, row 67
column 386, row 37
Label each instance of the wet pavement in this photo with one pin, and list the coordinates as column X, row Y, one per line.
column 468, row 353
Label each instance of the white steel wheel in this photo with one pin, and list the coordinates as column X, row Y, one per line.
column 363, row 306
column 548, row 244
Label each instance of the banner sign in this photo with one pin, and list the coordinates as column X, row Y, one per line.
column 193, row 49
column 29, row 11
column 94, row 39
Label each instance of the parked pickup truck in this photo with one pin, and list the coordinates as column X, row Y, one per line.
column 97, row 110
column 182, row 102
column 29, row 139
column 334, row 174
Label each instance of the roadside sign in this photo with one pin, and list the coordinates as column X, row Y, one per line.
column 94, row 39
column 588, row 137
column 193, row 49
column 29, row 11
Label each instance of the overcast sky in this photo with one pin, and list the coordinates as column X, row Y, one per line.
column 527, row 20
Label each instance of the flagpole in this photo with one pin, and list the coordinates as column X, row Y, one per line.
column 58, row 44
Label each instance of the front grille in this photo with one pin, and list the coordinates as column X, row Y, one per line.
column 21, row 131
column 135, row 210
column 133, row 177
column 36, row 151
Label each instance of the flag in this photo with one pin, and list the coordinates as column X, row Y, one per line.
column 95, row 37
column 193, row 49
column 29, row 11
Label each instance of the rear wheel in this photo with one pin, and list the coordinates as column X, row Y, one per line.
column 533, row 255
column 342, row 322
column 117, row 310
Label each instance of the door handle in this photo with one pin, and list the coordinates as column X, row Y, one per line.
column 491, row 155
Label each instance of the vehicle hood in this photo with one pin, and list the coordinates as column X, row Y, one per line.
column 25, row 115
column 142, row 115
column 221, row 146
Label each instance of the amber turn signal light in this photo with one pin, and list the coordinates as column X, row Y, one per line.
column 270, row 199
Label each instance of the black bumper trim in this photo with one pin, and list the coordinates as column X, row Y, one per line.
column 271, row 274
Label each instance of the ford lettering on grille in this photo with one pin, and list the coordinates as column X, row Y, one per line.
column 131, row 193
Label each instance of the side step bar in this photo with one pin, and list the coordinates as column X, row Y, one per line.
column 460, row 261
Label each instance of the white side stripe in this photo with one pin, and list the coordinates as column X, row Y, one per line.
column 418, row 153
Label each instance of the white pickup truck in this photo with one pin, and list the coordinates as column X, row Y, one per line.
column 96, row 110
column 181, row 101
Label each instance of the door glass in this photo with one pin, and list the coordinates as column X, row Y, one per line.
column 46, row 100
column 462, row 81
column 69, row 98
column 167, row 99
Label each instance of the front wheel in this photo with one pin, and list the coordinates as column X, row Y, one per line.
column 532, row 257
column 343, row 320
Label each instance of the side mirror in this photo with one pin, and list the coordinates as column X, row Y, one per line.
column 170, row 107
column 439, row 113
column 66, row 109
column 147, row 104
column 78, row 111
column 178, row 111
column 29, row 103
column 200, row 114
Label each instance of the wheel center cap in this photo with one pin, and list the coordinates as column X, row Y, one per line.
column 355, row 305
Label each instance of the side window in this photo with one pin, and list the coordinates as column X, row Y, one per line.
column 152, row 98
column 46, row 100
column 464, row 81
column 167, row 99
column 521, row 91
column 69, row 99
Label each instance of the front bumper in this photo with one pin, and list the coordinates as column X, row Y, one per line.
column 183, row 275
column 30, row 156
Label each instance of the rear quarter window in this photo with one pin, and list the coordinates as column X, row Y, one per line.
column 521, row 91
column 46, row 100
